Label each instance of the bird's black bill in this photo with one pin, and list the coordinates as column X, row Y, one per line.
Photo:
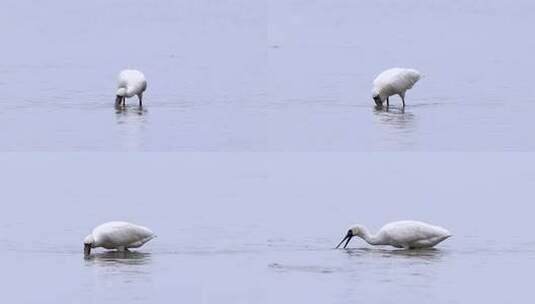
column 378, row 101
column 87, row 249
column 347, row 238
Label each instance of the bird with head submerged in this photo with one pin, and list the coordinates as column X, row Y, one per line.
column 117, row 235
column 401, row 234
column 395, row 81
column 130, row 83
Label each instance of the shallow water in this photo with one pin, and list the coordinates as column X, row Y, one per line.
column 266, row 76
column 243, row 228
column 277, row 78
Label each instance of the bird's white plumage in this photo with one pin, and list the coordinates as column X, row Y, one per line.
column 131, row 83
column 404, row 234
column 395, row 81
column 119, row 235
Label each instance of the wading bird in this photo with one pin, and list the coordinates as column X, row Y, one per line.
column 395, row 81
column 402, row 234
column 130, row 83
column 117, row 235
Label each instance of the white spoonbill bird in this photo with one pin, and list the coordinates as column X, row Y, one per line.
column 130, row 83
column 401, row 234
column 117, row 235
column 395, row 81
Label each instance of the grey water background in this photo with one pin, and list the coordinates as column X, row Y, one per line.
column 260, row 228
column 266, row 75
column 289, row 81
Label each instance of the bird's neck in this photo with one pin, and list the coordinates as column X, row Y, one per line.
column 368, row 237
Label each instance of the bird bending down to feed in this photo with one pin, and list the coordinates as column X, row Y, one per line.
column 130, row 83
column 117, row 235
column 395, row 81
column 402, row 234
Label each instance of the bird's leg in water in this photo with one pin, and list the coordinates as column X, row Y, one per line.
column 387, row 102
column 140, row 96
column 124, row 101
column 402, row 98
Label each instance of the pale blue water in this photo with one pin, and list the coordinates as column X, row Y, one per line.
column 243, row 228
column 266, row 76
column 279, row 89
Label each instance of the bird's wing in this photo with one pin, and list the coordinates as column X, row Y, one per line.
column 133, row 81
column 122, row 234
column 406, row 79
column 396, row 80
column 143, row 85
column 139, row 86
column 122, row 80
column 409, row 232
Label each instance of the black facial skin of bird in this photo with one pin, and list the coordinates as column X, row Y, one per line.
column 87, row 249
column 378, row 101
column 118, row 100
column 348, row 237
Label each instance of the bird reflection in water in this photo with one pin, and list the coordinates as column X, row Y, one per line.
column 426, row 255
column 134, row 115
column 116, row 267
column 118, row 257
column 131, row 124
column 124, row 112
column 397, row 117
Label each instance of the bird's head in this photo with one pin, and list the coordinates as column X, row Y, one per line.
column 353, row 231
column 377, row 98
column 121, row 93
column 356, row 230
column 89, row 242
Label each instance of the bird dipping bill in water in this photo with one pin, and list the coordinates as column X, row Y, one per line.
column 130, row 83
column 395, row 81
column 117, row 235
column 402, row 234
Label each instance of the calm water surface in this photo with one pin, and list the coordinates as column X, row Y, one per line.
column 244, row 228
column 277, row 78
column 266, row 76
